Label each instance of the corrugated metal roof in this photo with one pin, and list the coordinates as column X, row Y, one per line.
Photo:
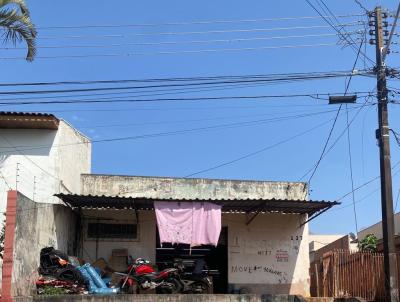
column 28, row 120
column 228, row 205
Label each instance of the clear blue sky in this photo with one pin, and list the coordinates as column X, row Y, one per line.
column 183, row 154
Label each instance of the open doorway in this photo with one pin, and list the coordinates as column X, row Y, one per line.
column 215, row 257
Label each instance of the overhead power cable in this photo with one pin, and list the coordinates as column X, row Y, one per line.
column 254, row 97
column 360, row 5
column 168, row 133
column 335, row 120
column 369, row 194
column 361, row 186
column 349, row 144
column 271, row 76
column 205, row 22
column 216, row 50
column 232, row 40
column 345, row 36
column 184, row 33
column 184, row 121
column 296, row 77
column 389, row 42
column 337, row 139
column 257, row 151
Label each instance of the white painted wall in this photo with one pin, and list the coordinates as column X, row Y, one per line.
column 271, row 252
column 55, row 157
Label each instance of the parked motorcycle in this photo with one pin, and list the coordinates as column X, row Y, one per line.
column 195, row 282
column 142, row 277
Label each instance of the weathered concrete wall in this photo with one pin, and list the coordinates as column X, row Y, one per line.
column 143, row 247
column 38, row 225
column 270, row 255
column 169, row 298
column 55, row 158
column 166, row 187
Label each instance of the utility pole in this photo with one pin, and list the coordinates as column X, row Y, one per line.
column 382, row 135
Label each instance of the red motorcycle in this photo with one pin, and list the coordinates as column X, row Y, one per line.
column 142, row 277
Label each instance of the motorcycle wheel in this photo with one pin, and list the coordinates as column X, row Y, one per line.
column 170, row 286
column 200, row 287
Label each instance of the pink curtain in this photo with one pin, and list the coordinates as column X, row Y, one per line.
column 194, row 223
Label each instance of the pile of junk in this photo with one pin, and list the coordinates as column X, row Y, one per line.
column 63, row 274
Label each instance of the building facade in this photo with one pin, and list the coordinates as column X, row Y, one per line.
column 40, row 155
column 263, row 248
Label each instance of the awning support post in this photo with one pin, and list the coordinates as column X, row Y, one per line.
column 260, row 208
column 312, row 217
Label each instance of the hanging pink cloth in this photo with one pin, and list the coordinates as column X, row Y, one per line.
column 194, row 223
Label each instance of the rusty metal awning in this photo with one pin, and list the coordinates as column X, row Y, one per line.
column 28, row 120
column 248, row 206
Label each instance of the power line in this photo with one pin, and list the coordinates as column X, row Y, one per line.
column 257, row 151
column 184, row 33
column 184, row 121
column 360, row 5
column 351, row 168
column 192, row 22
column 168, row 133
column 344, row 36
column 337, row 139
column 335, row 120
column 366, row 183
column 349, row 144
column 254, row 97
column 177, row 108
column 179, row 42
column 174, row 52
column 363, row 185
column 270, row 76
column 387, row 48
column 216, row 81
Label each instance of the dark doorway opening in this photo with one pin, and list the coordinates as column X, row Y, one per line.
column 215, row 257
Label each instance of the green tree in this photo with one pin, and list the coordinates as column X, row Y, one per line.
column 369, row 243
column 17, row 25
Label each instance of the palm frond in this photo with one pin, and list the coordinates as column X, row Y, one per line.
column 18, row 28
column 20, row 3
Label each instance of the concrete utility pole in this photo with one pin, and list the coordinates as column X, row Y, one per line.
column 382, row 135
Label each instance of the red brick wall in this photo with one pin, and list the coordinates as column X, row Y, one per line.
column 9, row 245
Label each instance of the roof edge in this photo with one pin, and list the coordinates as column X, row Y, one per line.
column 198, row 178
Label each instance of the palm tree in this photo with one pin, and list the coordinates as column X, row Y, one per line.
column 17, row 25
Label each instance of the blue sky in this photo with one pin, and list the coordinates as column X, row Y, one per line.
column 182, row 154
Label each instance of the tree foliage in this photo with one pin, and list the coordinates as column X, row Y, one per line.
column 369, row 243
column 17, row 25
